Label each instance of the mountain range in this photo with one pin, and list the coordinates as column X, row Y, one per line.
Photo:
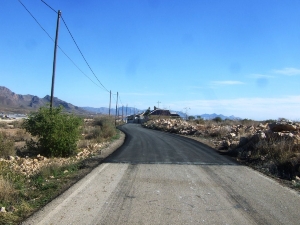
column 12, row 102
column 214, row 115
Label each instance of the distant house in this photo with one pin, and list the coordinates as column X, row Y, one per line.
column 156, row 113
column 136, row 118
column 160, row 112
column 174, row 115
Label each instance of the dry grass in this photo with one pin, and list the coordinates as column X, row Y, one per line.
column 278, row 150
column 99, row 129
column 3, row 125
column 50, row 170
column 6, row 146
column 7, row 190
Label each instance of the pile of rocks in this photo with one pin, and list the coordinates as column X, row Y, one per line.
column 171, row 125
column 30, row 166
column 229, row 137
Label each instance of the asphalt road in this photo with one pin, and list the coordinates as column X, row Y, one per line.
column 160, row 178
column 150, row 146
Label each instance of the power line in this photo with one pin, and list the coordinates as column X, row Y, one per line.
column 49, row 6
column 120, row 99
column 53, row 41
column 36, row 21
column 83, row 55
column 103, row 87
column 76, row 45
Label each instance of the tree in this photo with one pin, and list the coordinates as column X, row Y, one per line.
column 147, row 112
column 217, row 119
column 191, row 117
column 57, row 132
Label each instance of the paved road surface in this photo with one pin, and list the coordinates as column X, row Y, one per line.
column 160, row 178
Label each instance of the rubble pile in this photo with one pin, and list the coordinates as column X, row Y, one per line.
column 30, row 166
column 171, row 125
column 237, row 140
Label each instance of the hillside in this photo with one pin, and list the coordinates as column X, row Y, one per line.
column 12, row 102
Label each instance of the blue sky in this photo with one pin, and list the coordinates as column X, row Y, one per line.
column 234, row 57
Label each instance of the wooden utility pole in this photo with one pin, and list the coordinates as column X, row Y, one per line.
column 158, row 104
column 54, row 58
column 116, row 109
column 109, row 102
column 122, row 112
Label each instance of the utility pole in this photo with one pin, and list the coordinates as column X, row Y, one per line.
column 126, row 109
column 186, row 110
column 158, row 104
column 116, row 109
column 122, row 112
column 109, row 102
column 54, row 59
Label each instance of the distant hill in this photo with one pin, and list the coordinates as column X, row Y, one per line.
column 214, row 115
column 132, row 110
column 10, row 101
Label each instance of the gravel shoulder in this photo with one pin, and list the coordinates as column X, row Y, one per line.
column 87, row 168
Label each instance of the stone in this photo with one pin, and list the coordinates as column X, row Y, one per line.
column 263, row 126
column 3, row 210
column 12, row 209
column 232, row 135
column 234, row 144
column 261, row 135
column 279, row 127
column 226, row 143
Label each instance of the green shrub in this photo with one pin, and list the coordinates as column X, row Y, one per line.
column 6, row 146
column 217, row 119
column 57, row 133
column 107, row 128
column 3, row 125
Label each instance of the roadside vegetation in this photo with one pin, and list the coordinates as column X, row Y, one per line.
column 271, row 146
column 43, row 155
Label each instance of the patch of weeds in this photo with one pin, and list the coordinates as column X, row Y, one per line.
column 7, row 190
column 99, row 130
column 6, row 146
column 3, row 125
column 17, row 123
column 21, row 135
column 116, row 136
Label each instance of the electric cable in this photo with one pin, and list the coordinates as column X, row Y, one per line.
column 54, row 41
column 102, row 86
column 49, row 6
column 83, row 55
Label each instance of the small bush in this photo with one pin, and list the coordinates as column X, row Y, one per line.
column 107, row 128
column 3, row 125
column 21, row 135
column 199, row 121
column 217, row 119
column 221, row 132
column 57, row 133
column 17, row 123
column 6, row 146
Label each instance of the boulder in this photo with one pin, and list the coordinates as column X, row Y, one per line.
column 279, row 127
